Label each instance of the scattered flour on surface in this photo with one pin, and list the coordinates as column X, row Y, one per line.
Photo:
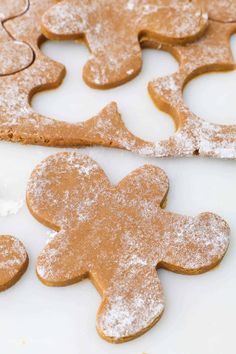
column 10, row 207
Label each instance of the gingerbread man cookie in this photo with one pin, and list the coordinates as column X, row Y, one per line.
column 112, row 30
column 14, row 55
column 118, row 236
column 13, row 261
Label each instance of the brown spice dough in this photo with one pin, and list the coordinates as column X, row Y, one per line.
column 117, row 236
column 20, row 123
column 221, row 10
column 14, row 56
column 194, row 136
column 112, row 30
column 13, row 261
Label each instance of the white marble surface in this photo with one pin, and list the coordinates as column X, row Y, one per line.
column 200, row 310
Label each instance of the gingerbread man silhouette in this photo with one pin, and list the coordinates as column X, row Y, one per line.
column 118, row 236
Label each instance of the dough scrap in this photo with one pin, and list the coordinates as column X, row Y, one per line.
column 194, row 136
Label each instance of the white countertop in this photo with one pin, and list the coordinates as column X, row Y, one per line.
column 200, row 310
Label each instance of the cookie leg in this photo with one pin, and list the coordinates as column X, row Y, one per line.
column 131, row 306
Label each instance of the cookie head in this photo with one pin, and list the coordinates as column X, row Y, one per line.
column 112, row 31
column 12, row 8
column 222, row 11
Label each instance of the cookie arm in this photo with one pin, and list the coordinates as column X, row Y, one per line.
column 194, row 245
column 131, row 306
column 147, row 185
column 61, row 263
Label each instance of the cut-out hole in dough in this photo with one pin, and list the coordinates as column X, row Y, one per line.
column 81, row 102
column 213, row 96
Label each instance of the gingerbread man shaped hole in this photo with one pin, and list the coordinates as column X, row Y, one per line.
column 118, row 236
column 14, row 55
column 112, row 30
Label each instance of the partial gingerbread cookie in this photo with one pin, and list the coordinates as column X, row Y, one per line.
column 14, row 55
column 18, row 122
column 221, row 10
column 112, row 30
column 118, row 236
column 194, row 136
column 13, row 261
